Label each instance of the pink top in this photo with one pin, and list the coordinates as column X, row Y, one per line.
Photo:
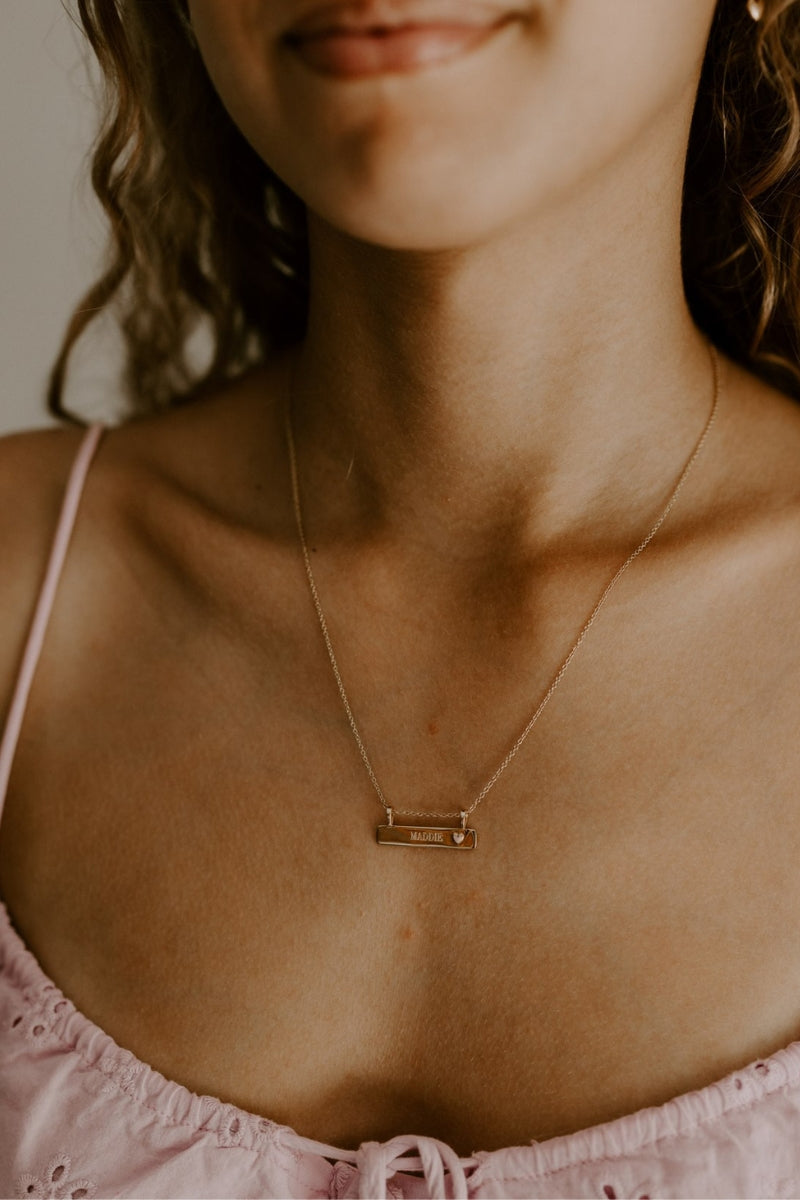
column 80, row 1116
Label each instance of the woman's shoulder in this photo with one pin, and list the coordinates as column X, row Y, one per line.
column 34, row 469
column 155, row 478
column 34, row 465
column 196, row 451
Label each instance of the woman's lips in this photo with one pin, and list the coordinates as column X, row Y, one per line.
column 402, row 48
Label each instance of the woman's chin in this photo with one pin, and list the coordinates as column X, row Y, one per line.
column 407, row 224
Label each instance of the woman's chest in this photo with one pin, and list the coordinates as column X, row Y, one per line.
column 594, row 955
column 190, row 849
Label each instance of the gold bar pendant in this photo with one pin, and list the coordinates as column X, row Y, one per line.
column 441, row 837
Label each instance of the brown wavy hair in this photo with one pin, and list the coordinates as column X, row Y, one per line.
column 204, row 236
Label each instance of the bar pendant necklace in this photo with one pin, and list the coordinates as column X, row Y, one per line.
column 458, row 835
column 443, row 837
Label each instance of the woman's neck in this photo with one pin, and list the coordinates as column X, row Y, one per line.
column 547, row 381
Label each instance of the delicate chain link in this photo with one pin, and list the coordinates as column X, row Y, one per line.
column 323, row 624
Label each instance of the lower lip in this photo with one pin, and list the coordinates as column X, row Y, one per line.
column 352, row 55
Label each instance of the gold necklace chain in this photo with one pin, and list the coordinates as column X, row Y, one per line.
column 323, row 624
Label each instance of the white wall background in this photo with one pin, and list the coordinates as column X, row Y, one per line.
column 51, row 232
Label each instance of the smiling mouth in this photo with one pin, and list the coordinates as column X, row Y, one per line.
column 377, row 49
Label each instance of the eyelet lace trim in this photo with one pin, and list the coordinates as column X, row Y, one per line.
column 55, row 1183
column 39, row 1010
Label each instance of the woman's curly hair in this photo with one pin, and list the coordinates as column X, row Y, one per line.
column 205, row 235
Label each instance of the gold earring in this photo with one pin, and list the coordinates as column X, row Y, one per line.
column 756, row 9
column 272, row 208
column 277, row 223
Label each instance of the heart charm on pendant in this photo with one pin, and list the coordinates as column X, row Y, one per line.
column 458, row 836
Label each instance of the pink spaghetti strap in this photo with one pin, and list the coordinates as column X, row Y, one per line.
column 44, row 604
